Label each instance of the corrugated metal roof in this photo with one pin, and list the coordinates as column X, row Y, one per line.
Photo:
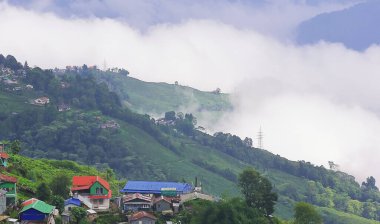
column 85, row 182
column 141, row 214
column 4, row 155
column 6, row 178
column 39, row 206
column 72, row 201
column 149, row 187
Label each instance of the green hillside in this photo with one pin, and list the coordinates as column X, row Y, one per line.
column 99, row 131
column 32, row 172
column 158, row 98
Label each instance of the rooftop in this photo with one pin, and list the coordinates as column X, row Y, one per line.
column 72, row 201
column 5, row 178
column 141, row 214
column 85, row 182
column 149, row 187
column 39, row 206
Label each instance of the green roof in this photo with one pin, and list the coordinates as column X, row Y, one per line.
column 39, row 206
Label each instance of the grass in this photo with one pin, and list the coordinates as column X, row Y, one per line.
column 31, row 172
column 158, row 98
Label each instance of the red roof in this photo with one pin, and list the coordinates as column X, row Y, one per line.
column 141, row 214
column 131, row 197
column 28, row 202
column 4, row 155
column 167, row 199
column 85, row 182
column 6, row 178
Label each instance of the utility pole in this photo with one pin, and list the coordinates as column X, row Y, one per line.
column 260, row 137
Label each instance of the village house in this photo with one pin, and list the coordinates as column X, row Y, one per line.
column 8, row 184
column 162, row 204
column 3, row 157
column 137, row 202
column 63, row 107
column 110, row 124
column 42, row 100
column 36, row 211
column 142, row 217
column 92, row 191
column 68, row 205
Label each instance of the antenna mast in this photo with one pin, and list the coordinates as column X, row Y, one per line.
column 260, row 137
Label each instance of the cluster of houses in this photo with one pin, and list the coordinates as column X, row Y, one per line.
column 140, row 200
column 10, row 78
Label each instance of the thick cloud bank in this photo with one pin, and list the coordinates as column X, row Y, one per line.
column 315, row 103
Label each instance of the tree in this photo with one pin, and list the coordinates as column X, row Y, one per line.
column 370, row 183
column 58, row 202
column 170, row 116
column 248, row 142
column 257, row 191
column 43, row 192
column 60, row 185
column 305, row 213
column 78, row 214
column 15, row 147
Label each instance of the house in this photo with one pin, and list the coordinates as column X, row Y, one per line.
column 3, row 201
column 162, row 204
column 110, row 124
column 142, row 217
column 37, row 212
column 3, row 158
column 63, row 107
column 157, row 188
column 71, row 202
column 137, row 202
column 8, row 184
column 42, row 100
column 92, row 191
column 68, row 205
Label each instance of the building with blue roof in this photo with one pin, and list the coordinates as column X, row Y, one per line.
column 71, row 202
column 149, row 187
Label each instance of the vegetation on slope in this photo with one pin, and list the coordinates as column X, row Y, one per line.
column 142, row 149
column 157, row 98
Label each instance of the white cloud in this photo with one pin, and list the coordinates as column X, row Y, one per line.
column 314, row 103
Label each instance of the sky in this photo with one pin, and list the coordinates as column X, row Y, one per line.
column 315, row 102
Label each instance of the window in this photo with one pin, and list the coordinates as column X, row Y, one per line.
column 99, row 190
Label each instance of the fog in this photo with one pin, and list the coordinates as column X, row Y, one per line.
column 315, row 103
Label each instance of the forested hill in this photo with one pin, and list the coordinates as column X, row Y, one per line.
column 85, row 122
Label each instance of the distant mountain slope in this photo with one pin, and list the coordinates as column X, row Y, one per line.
column 356, row 27
column 158, row 98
